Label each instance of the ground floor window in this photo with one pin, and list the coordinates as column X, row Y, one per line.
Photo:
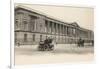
column 15, row 37
column 40, row 37
column 33, row 37
column 46, row 36
column 25, row 37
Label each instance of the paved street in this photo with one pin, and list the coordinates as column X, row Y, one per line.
column 28, row 54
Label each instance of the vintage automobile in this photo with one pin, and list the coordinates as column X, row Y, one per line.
column 45, row 47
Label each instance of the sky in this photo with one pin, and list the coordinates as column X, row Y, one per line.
column 84, row 16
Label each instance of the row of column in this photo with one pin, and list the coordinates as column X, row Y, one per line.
column 60, row 29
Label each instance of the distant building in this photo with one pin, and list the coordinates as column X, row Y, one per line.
column 32, row 26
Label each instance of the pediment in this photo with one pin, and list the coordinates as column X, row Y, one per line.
column 75, row 24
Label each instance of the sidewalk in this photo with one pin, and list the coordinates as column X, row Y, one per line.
column 58, row 48
column 63, row 53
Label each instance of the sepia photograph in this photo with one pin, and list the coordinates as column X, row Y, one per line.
column 47, row 34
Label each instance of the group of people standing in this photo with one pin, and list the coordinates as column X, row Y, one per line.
column 80, row 42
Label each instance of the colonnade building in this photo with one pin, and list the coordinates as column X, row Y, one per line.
column 32, row 26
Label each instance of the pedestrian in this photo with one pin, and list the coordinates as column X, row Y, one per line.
column 82, row 43
column 79, row 42
column 18, row 44
column 92, row 43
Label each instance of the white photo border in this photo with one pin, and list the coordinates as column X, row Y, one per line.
column 12, row 59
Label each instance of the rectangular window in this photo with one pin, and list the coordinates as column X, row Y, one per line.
column 15, row 37
column 16, row 23
column 46, row 36
column 25, row 25
column 40, row 37
column 33, row 24
column 33, row 37
column 25, row 37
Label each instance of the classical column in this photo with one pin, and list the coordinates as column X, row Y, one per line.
column 48, row 26
column 68, row 31
column 64, row 30
column 35, row 25
column 52, row 28
column 56, row 31
column 79, row 33
column 76, row 32
column 57, row 28
column 65, row 33
column 72, row 31
column 60, row 29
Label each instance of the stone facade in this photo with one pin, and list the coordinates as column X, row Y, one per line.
column 31, row 27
